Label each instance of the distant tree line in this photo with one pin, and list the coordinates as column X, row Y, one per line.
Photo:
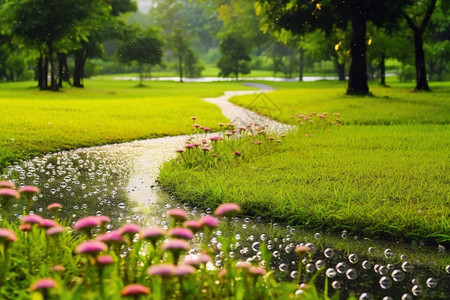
column 352, row 38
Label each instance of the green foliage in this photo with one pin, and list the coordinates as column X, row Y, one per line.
column 234, row 57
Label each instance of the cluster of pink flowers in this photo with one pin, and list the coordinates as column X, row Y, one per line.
column 102, row 248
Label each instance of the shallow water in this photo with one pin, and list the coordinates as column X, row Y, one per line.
column 120, row 181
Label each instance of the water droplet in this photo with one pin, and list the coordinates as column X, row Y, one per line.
column 385, row 282
column 283, row 267
column 388, row 253
column 431, row 282
column 382, row 270
column 276, row 254
column 331, row 273
column 317, row 236
column 319, row 264
column 447, row 269
column 351, row 274
column 388, row 298
column 341, row 268
column 336, row 285
column 406, row 296
column 353, row 258
column 398, row 275
column 328, row 253
column 256, row 246
column 365, row 296
column 416, row 290
column 263, row 237
column 121, row 205
column 293, row 274
column 406, row 266
column 366, row 265
column 371, row 250
column 310, row 268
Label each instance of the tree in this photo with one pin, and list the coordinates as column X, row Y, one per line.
column 234, row 57
column 418, row 24
column 104, row 24
column 143, row 47
column 437, row 41
column 44, row 23
column 302, row 16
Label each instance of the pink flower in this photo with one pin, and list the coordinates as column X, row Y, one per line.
column 25, row 227
column 209, row 221
column 7, row 185
column 58, row 268
column 197, row 125
column 7, row 236
column 43, row 284
column 104, row 260
column 237, row 153
column 243, row 265
column 196, row 260
column 135, row 290
column 221, row 124
column 153, row 234
column 206, row 129
column 29, row 190
column 181, row 233
column 256, row 271
column 31, row 219
column 130, row 229
column 206, row 149
column 176, row 246
column 193, row 225
column 194, row 118
column 179, row 150
column 103, row 220
column 47, row 223
column 227, row 210
column 86, row 223
column 54, row 206
column 215, row 138
column 182, row 270
column 164, row 270
column 55, row 230
column 91, row 247
column 8, row 194
column 112, row 237
column 189, row 146
column 178, row 214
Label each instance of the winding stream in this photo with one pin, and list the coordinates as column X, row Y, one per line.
column 120, row 180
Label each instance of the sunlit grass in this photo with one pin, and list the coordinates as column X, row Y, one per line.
column 384, row 173
column 36, row 122
column 396, row 105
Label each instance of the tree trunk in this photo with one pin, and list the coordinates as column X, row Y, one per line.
column 383, row 70
column 53, row 83
column 79, row 68
column 44, row 74
column 421, row 73
column 301, row 57
column 63, row 69
column 38, row 73
column 180, row 65
column 357, row 77
column 340, row 70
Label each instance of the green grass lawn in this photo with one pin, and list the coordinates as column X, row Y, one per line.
column 36, row 122
column 384, row 173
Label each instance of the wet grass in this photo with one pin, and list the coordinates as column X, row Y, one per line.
column 384, row 173
column 36, row 122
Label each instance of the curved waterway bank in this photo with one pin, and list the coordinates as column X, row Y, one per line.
column 120, row 181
